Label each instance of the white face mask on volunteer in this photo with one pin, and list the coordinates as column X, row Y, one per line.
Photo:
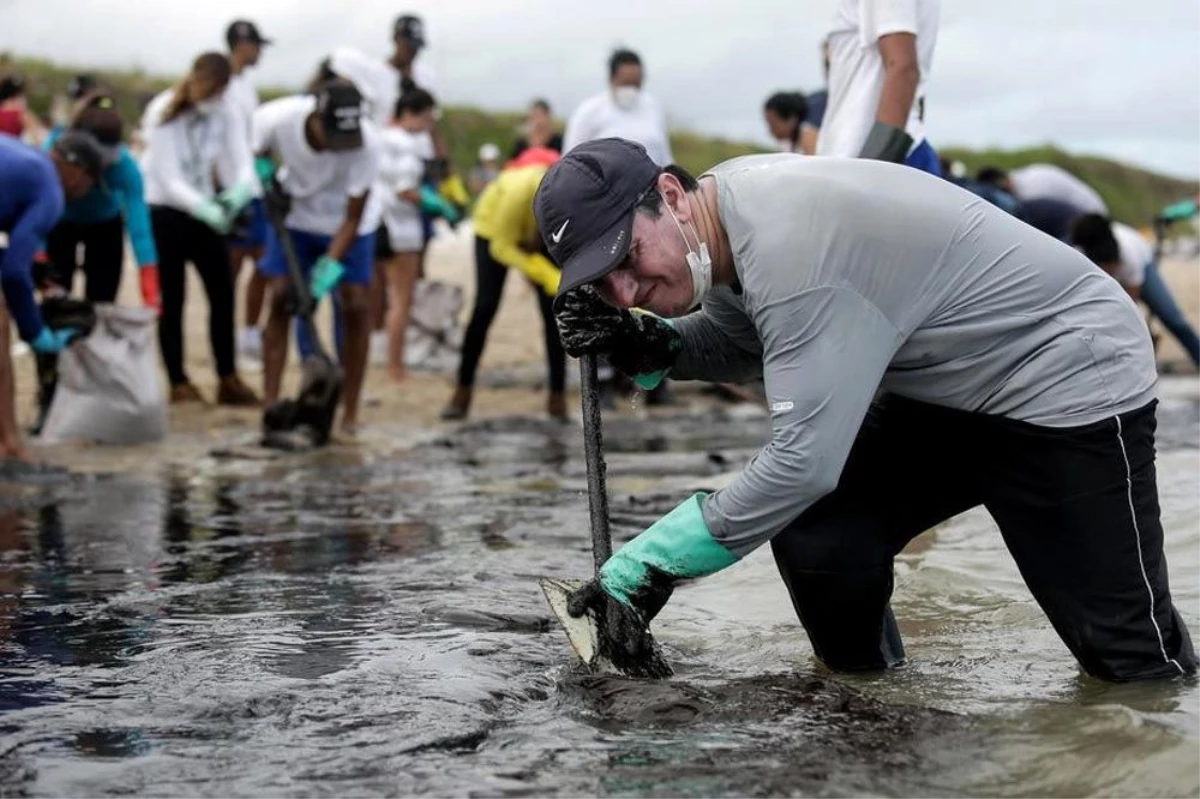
column 626, row 97
column 699, row 261
column 209, row 106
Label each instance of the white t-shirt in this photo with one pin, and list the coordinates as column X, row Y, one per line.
column 181, row 156
column 598, row 117
column 856, row 68
column 401, row 167
column 242, row 98
column 1135, row 253
column 1041, row 181
column 377, row 80
column 320, row 183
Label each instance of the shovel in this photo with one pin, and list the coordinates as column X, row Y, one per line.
column 306, row 421
column 587, row 634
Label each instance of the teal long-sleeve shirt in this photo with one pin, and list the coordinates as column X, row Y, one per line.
column 120, row 192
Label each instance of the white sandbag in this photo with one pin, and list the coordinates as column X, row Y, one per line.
column 109, row 390
column 434, row 335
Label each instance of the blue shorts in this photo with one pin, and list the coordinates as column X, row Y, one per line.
column 310, row 247
column 256, row 231
column 925, row 158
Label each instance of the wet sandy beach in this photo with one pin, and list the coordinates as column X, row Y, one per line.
column 202, row 618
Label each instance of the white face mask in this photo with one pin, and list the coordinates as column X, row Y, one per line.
column 699, row 262
column 626, row 97
column 209, row 106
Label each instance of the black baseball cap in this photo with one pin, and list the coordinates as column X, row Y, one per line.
column 585, row 206
column 243, row 30
column 79, row 85
column 80, row 148
column 411, row 28
column 339, row 105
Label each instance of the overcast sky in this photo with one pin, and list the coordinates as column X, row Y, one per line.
column 1113, row 77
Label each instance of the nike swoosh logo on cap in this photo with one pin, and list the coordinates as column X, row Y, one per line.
column 556, row 237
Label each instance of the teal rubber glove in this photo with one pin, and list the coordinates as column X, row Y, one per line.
column 236, row 197
column 1177, row 212
column 434, row 203
column 326, row 274
column 52, row 342
column 648, row 381
column 642, row 574
column 213, row 214
column 264, row 167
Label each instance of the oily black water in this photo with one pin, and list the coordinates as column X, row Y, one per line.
column 367, row 622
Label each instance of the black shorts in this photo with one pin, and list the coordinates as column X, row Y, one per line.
column 383, row 244
column 1077, row 507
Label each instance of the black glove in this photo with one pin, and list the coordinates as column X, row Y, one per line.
column 624, row 638
column 63, row 311
column 635, row 343
column 276, row 198
column 886, row 143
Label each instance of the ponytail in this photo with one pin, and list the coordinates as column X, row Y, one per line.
column 212, row 67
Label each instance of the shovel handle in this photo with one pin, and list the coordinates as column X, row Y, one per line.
column 593, row 446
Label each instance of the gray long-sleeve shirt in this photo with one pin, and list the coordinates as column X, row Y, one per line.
column 858, row 275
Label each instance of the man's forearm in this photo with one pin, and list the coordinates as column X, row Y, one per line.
column 710, row 354
column 896, row 98
column 343, row 240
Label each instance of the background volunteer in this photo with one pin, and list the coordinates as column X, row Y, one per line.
column 405, row 147
column 1016, row 376
column 187, row 129
column 880, row 57
column 1047, row 181
column 381, row 83
column 36, row 185
column 784, row 113
column 624, row 110
column 506, row 237
column 96, row 222
column 245, row 43
column 328, row 157
column 1121, row 251
column 538, row 130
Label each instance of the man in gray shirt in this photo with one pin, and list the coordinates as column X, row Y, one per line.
column 923, row 353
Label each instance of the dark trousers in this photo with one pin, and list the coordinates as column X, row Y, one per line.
column 103, row 256
column 489, row 286
column 182, row 239
column 1077, row 507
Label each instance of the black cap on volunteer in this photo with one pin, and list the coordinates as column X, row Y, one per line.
column 339, row 105
column 243, row 30
column 585, row 206
column 101, row 119
column 79, row 85
column 80, row 148
column 410, row 28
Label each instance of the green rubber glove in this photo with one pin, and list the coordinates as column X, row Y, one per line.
column 326, row 274
column 264, row 167
column 434, row 203
column 236, row 197
column 213, row 214
column 1177, row 212
column 677, row 547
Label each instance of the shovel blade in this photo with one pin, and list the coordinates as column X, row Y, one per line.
column 587, row 637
